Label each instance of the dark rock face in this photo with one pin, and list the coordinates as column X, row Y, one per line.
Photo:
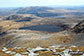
column 13, row 17
column 79, row 28
column 18, row 18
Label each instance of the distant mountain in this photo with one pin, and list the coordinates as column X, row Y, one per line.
column 33, row 10
column 7, row 11
column 39, row 11
column 51, row 11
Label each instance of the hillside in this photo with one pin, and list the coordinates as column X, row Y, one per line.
column 33, row 38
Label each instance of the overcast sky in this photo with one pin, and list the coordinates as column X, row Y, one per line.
column 24, row 3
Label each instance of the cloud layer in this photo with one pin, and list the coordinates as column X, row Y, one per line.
column 18, row 3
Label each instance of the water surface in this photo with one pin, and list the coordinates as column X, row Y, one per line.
column 50, row 28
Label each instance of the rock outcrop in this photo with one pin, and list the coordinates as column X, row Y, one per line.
column 18, row 17
column 52, row 51
column 79, row 28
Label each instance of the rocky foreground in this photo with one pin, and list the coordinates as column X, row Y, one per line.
column 39, row 51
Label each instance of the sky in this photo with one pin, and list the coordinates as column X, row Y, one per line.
column 26, row 3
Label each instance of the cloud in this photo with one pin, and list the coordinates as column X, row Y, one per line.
column 17, row 3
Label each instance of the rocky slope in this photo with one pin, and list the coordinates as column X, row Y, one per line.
column 79, row 28
column 28, row 38
column 31, row 38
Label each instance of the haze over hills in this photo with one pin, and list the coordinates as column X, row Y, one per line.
column 44, row 11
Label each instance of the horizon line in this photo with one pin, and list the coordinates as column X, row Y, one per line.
column 46, row 6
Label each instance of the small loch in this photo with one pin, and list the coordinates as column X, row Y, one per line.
column 49, row 28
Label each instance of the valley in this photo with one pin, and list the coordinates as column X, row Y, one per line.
column 45, row 27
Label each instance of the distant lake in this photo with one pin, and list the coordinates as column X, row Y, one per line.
column 49, row 16
column 58, row 16
column 22, row 20
column 49, row 28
